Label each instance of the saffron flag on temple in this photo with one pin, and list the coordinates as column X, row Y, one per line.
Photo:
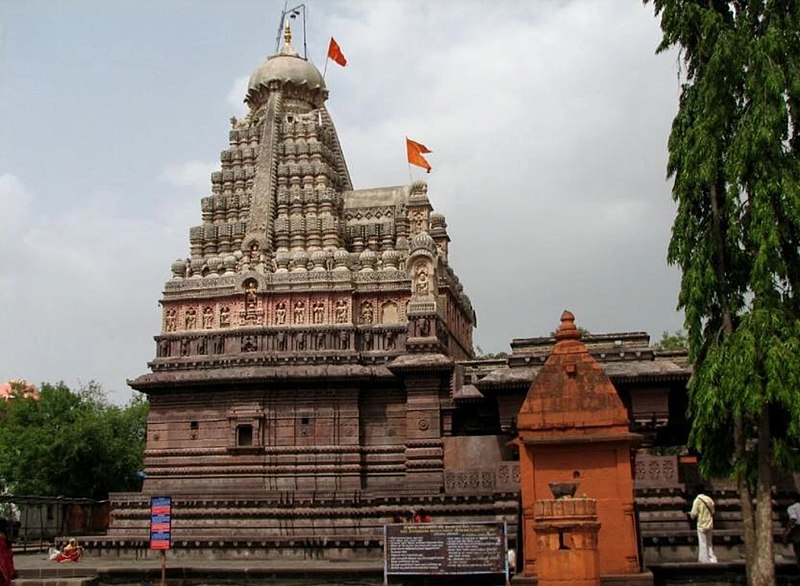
column 415, row 151
column 335, row 53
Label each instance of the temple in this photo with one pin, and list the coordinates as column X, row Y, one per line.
column 314, row 375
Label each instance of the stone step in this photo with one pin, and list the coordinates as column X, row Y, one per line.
column 56, row 581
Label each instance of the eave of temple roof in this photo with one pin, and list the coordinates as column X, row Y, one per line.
column 632, row 371
column 258, row 374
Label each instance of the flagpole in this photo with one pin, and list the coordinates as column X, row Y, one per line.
column 410, row 178
column 325, row 69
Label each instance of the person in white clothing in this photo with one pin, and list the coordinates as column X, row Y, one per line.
column 792, row 532
column 703, row 511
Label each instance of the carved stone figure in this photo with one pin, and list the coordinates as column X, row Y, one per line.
column 170, row 321
column 184, row 346
column 300, row 341
column 255, row 254
column 225, row 317
column 367, row 340
column 321, row 340
column 367, row 313
column 163, row 348
column 422, row 284
column 250, row 298
column 201, row 345
column 208, row 318
column 280, row 313
column 281, row 341
column 341, row 311
column 318, row 312
column 219, row 345
column 344, row 340
column 424, row 328
column 299, row 312
column 191, row 319
column 390, row 340
column 249, row 343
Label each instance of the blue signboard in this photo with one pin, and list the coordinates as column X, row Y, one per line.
column 160, row 522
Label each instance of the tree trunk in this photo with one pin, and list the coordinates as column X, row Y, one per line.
column 745, row 502
column 762, row 572
column 716, row 192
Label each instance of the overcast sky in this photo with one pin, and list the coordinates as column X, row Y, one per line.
column 548, row 122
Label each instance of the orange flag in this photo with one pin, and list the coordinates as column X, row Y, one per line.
column 335, row 53
column 415, row 151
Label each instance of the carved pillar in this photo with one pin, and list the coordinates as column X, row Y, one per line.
column 424, row 452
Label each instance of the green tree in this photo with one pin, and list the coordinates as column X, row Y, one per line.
column 71, row 443
column 674, row 341
column 733, row 157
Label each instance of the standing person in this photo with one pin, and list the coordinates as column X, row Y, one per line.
column 6, row 554
column 792, row 531
column 703, row 511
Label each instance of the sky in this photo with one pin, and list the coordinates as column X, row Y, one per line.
column 548, row 123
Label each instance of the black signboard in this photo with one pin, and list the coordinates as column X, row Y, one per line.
column 445, row 548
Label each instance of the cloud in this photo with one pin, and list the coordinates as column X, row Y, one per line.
column 80, row 294
column 235, row 96
column 195, row 175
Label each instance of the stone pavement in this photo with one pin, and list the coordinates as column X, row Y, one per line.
column 35, row 569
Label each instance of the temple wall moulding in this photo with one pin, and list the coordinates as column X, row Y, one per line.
column 383, row 339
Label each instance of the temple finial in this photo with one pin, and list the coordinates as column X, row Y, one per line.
column 567, row 330
column 287, row 32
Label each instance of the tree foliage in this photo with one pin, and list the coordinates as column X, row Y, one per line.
column 674, row 341
column 734, row 158
column 73, row 444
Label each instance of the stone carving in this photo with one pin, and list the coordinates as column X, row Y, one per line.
column 185, row 347
column 390, row 340
column 219, row 345
column 201, row 345
column 422, row 282
column 366, row 340
column 249, row 343
column 656, row 471
column 341, row 311
column 299, row 341
column 163, row 348
column 225, row 317
column 320, row 340
column 170, row 322
column 367, row 313
column 280, row 313
column 424, row 327
column 250, row 297
column 417, row 222
column 344, row 340
column 254, row 254
column 299, row 312
column 190, row 320
column 281, row 341
column 318, row 312
column 208, row 318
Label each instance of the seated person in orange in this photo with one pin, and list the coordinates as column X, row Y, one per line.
column 71, row 552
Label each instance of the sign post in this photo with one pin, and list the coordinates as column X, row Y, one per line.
column 161, row 529
column 446, row 549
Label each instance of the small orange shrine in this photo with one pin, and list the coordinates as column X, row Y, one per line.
column 573, row 428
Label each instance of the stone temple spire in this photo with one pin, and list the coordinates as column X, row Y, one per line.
column 287, row 245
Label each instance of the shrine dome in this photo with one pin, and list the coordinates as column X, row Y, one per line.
column 287, row 68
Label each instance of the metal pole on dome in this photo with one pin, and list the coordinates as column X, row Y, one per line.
column 299, row 10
